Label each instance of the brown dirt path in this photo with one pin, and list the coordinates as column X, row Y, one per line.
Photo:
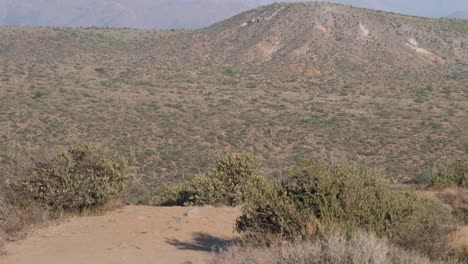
column 133, row 234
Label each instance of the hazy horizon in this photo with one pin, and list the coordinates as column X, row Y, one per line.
column 167, row 14
column 426, row 8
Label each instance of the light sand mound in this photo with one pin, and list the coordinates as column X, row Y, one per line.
column 133, row 234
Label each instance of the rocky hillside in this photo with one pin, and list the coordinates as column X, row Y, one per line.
column 333, row 38
column 281, row 81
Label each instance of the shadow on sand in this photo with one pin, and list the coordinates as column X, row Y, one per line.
column 202, row 242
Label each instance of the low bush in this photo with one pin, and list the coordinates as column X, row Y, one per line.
column 361, row 248
column 461, row 214
column 340, row 193
column 234, row 179
column 419, row 223
column 344, row 197
column 79, row 177
column 275, row 215
column 446, row 174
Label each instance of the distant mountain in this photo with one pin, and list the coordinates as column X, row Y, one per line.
column 426, row 8
column 459, row 15
column 160, row 14
column 166, row 14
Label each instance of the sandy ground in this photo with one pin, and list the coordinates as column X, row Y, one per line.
column 461, row 237
column 133, row 234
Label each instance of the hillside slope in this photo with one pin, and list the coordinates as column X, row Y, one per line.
column 340, row 39
column 282, row 81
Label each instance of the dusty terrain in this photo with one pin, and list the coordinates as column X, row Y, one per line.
column 133, row 234
column 137, row 234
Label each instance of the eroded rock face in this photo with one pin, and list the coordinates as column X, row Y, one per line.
column 335, row 38
column 414, row 45
column 264, row 50
column 262, row 18
column 321, row 28
column 363, row 30
column 413, row 42
column 306, row 69
column 300, row 52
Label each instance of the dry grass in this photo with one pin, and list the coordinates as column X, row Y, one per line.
column 360, row 249
column 15, row 221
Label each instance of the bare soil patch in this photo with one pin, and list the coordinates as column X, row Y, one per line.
column 133, row 234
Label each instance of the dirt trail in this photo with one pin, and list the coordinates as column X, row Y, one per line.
column 133, row 234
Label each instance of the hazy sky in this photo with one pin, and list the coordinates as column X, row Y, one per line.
column 431, row 8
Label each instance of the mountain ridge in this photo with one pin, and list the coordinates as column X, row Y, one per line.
column 459, row 15
column 145, row 14
column 165, row 14
column 306, row 32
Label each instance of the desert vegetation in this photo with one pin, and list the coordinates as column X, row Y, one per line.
column 234, row 180
column 364, row 88
column 170, row 108
column 78, row 179
column 319, row 211
column 313, row 204
column 452, row 173
column 360, row 248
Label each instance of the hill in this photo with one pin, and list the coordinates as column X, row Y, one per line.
column 282, row 81
column 338, row 38
column 459, row 15
column 166, row 14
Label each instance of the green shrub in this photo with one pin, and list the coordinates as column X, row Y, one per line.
column 446, row 174
column 79, row 177
column 234, row 179
column 347, row 194
column 461, row 214
column 274, row 215
column 421, row 224
column 348, row 197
